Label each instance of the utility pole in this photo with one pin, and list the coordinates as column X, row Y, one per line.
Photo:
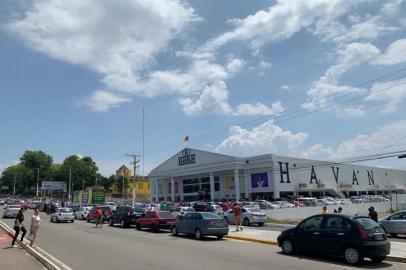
column 134, row 163
column 14, row 189
column 70, row 183
column 122, row 187
column 83, row 184
column 37, row 181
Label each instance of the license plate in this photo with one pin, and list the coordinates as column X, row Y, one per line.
column 379, row 237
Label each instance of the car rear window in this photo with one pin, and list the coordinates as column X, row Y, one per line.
column 165, row 215
column 14, row 206
column 367, row 223
column 65, row 210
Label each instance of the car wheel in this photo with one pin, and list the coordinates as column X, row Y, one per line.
column 138, row 226
column 111, row 224
column 52, row 219
column 246, row 222
column 378, row 259
column 287, row 247
column 83, row 217
column 352, row 256
column 72, row 221
column 221, row 236
column 122, row 223
column 198, row 234
column 174, row 231
column 154, row 227
column 260, row 224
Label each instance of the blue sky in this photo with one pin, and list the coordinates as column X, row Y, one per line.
column 75, row 75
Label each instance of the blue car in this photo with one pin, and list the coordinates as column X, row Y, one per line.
column 200, row 224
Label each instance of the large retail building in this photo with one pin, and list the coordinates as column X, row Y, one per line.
column 194, row 174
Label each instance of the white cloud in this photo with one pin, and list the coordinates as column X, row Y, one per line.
column 102, row 101
column 281, row 21
column 285, row 88
column 393, row 93
column 350, row 111
column 354, row 54
column 359, row 29
column 115, row 39
column 394, row 54
column 259, row 109
column 266, row 138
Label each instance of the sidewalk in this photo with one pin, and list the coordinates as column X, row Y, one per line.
column 398, row 249
column 16, row 258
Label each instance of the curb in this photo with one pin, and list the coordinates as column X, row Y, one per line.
column 269, row 242
column 275, row 243
column 37, row 255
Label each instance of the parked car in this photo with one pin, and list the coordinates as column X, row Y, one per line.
column 201, row 207
column 11, row 211
column 284, row 204
column 181, row 211
column 2, row 201
column 199, row 225
column 217, row 209
column 394, row 224
column 125, row 215
column 91, row 216
column 63, row 214
column 350, row 237
column 83, row 212
column 155, row 220
column 249, row 216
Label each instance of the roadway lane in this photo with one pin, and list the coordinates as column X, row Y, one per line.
column 82, row 246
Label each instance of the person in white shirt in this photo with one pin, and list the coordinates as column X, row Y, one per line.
column 35, row 221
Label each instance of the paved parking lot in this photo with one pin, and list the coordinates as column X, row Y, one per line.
column 82, row 246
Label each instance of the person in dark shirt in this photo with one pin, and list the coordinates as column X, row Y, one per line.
column 18, row 225
column 373, row 214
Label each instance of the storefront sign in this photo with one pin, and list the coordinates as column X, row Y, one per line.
column 187, row 157
column 85, row 197
column 53, row 185
column 98, row 196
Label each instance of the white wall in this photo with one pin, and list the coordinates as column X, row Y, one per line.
column 304, row 212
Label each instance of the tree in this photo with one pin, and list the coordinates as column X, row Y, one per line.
column 83, row 170
column 118, row 181
column 18, row 173
column 33, row 160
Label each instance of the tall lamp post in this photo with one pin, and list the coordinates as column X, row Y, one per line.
column 37, row 180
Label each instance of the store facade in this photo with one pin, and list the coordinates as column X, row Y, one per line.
column 193, row 175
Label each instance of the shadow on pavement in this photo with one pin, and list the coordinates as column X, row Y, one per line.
column 339, row 261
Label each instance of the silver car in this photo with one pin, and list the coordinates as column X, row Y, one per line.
column 249, row 216
column 11, row 211
column 83, row 212
column 394, row 224
column 63, row 214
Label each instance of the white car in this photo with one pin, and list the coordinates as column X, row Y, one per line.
column 284, row 204
column 181, row 211
column 83, row 212
column 63, row 214
column 11, row 211
column 249, row 216
column 217, row 209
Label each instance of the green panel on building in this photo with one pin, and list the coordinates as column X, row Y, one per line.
column 98, row 196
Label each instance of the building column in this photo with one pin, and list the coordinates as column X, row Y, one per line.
column 151, row 190
column 156, row 191
column 172, row 189
column 247, row 184
column 211, row 186
column 237, row 184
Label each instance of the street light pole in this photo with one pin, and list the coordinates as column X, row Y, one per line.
column 122, row 188
column 37, row 180
column 14, row 189
column 70, row 183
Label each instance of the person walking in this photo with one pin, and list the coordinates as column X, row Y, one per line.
column 373, row 214
column 98, row 218
column 340, row 209
column 35, row 221
column 237, row 216
column 324, row 210
column 19, row 226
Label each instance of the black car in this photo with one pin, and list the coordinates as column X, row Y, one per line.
column 125, row 215
column 349, row 236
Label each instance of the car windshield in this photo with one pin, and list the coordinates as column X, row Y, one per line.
column 367, row 223
column 253, row 210
column 165, row 215
column 65, row 210
column 209, row 216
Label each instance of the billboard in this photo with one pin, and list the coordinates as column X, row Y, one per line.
column 98, row 196
column 53, row 185
column 85, row 197
column 259, row 180
column 229, row 182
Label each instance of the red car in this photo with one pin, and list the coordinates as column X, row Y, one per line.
column 155, row 220
column 105, row 209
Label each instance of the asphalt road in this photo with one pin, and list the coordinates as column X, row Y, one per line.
column 82, row 246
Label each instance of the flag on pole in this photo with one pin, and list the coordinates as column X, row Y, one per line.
column 186, row 140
